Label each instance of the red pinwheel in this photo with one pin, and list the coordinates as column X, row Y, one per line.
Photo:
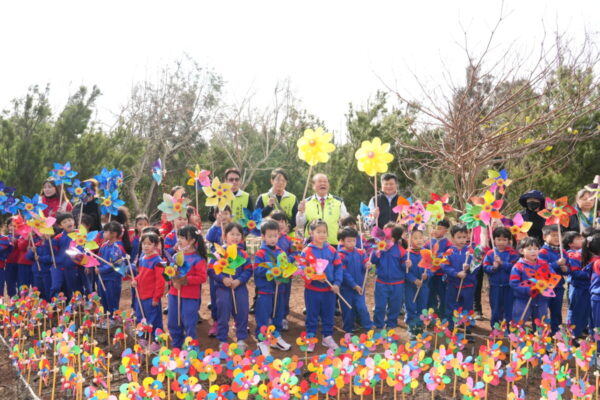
column 541, row 281
column 442, row 199
column 557, row 211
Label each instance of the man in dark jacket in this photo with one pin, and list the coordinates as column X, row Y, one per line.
column 533, row 201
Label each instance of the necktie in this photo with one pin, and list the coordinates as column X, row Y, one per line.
column 322, row 202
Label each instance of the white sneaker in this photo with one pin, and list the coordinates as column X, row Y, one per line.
column 329, row 343
column 264, row 349
column 281, row 344
column 242, row 345
column 285, row 325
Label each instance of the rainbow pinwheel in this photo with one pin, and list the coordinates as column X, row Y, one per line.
column 436, row 211
column 557, row 211
column 430, row 260
column 176, row 268
column 416, row 216
column 174, row 207
column 198, row 177
column 402, row 205
column 541, row 281
column 314, row 146
column 472, row 218
column 41, row 224
column 81, row 237
column 157, row 171
column 311, row 268
column 490, row 207
column 497, row 180
column 279, row 269
column 31, row 205
column 227, row 259
column 218, row 194
column 251, row 221
column 381, row 240
column 62, row 174
column 80, row 257
column 445, row 200
column 373, row 157
column 110, row 202
column 517, row 226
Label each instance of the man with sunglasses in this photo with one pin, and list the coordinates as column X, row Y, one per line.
column 242, row 200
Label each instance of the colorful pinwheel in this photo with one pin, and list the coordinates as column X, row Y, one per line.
column 31, row 206
column 176, row 268
column 251, row 221
column 557, row 211
column 174, row 207
column 472, row 218
column 517, row 226
column 227, row 259
column 541, row 281
column 445, row 200
column 279, row 269
column 490, row 207
column 218, row 194
column 157, row 171
column 41, row 224
column 430, row 260
column 62, row 174
column 81, row 237
column 198, row 177
column 381, row 240
column 497, row 180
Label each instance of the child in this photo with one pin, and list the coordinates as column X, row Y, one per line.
column 141, row 221
column 5, row 250
column 457, row 268
column 150, row 283
column 12, row 267
column 389, row 285
column 498, row 265
column 266, row 289
column 227, row 285
column 171, row 238
column 114, row 253
column 591, row 260
column 580, row 306
column 350, row 222
column 417, row 279
column 437, row 286
column 64, row 270
column 215, row 235
column 25, row 274
column 182, row 321
column 41, row 257
column 354, row 267
column 319, row 296
column 538, row 307
column 559, row 264
column 55, row 199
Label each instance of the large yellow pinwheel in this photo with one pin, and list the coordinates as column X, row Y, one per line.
column 374, row 157
column 218, row 194
column 314, row 147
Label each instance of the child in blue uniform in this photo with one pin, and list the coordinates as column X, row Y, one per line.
column 417, row 279
column 580, row 305
column 111, row 274
column 437, row 286
column 591, row 260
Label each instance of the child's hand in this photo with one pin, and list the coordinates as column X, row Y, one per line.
column 134, row 283
column 335, row 289
column 358, row 290
column 466, row 267
column 418, row 283
column 408, row 263
column 376, row 213
column 561, row 262
column 461, row 275
column 424, row 276
column 97, row 270
column 497, row 262
column 154, row 303
column 227, row 281
column 302, row 206
column 235, row 283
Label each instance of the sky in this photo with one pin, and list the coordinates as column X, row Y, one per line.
column 333, row 52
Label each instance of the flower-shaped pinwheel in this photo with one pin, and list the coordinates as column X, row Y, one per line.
column 381, row 240
column 517, row 226
column 157, row 171
column 311, row 268
column 541, row 281
column 78, row 192
column 445, row 200
column 472, row 218
column 227, row 259
column 176, row 268
column 314, row 146
column 20, row 225
column 6, row 190
column 218, row 194
column 497, row 180
column 80, row 257
column 490, row 207
column 279, row 269
column 198, row 177
column 244, row 383
column 85, row 239
column 366, row 214
column 62, row 174
column 472, row 390
column 251, row 221
column 373, row 157
column 174, row 207
column 9, row 204
column 416, row 216
column 110, row 202
column 436, row 211
column 41, row 224
column 31, row 206
column 430, row 260
column 305, row 340
column 557, row 211
column 402, row 205
column 109, row 180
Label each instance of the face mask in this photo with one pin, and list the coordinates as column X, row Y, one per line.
column 533, row 205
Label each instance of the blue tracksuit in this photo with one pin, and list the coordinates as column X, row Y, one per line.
column 455, row 259
column 64, row 276
column 551, row 256
column 538, row 308
column 354, row 268
column 414, row 308
column 224, row 300
column 113, row 253
column 285, row 243
column 265, row 289
column 580, row 303
column 214, row 235
column 389, row 285
column 5, row 249
column 42, row 277
column 501, row 295
column 437, row 284
column 593, row 268
column 318, row 297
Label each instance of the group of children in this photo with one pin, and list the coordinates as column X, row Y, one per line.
column 403, row 279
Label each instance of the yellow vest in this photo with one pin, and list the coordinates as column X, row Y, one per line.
column 238, row 204
column 330, row 214
column 286, row 203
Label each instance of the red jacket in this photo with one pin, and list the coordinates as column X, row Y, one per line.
column 13, row 257
column 150, row 280
column 195, row 277
column 22, row 244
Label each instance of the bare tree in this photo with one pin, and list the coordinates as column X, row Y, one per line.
column 170, row 115
column 507, row 108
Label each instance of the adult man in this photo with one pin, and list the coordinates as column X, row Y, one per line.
column 321, row 205
column 386, row 200
column 242, row 199
column 277, row 198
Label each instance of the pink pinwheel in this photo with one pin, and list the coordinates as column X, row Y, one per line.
column 381, row 240
column 517, row 226
column 21, row 226
column 490, row 208
column 402, row 204
column 417, row 216
column 497, row 180
column 81, row 258
column 41, row 224
column 442, row 199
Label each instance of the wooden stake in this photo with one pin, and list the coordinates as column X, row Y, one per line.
column 339, row 295
column 525, row 310
column 307, row 181
column 275, row 302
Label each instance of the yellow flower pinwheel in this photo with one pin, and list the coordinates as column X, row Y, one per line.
column 374, row 157
column 218, row 194
column 314, row 147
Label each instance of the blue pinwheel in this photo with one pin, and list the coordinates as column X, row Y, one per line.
column 6, row 191
column 251, row 221
column 110, row 202
column 9, row 204
column 77, row 192
column 366, row 214
column 31, row 206
column 62, row 174
column 109, row 180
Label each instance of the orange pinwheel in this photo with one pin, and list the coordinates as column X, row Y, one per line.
column 541, row 281
column 430, row 260
column 557, row 211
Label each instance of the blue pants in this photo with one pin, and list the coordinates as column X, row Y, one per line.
column 359, row 309
column 63, row 280
column 555, row 306
column 596, row 319
column 42, row 280
column 501, row 299
column 112, row 296
column 11, row 274
column 580, row 309
column 538, row 309
column 414, row 309
column 2, row 280
column 465, row 301
column 437, row 295
column 24, row 275
column 319, row 305
column 188, row 314
column 288, row 292
column 83, row 279
column 227, row 310
column 388, row 300
column 213, row 299
column 263, row 309
column 152, row 313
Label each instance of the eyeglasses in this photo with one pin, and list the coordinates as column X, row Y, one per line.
column 233, row 179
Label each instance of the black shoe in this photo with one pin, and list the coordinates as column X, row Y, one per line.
column 338, row 313
column 304, row 311
column 165, row 311
column 209, row 306
column 251, row 311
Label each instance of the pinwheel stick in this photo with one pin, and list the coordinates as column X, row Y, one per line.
column 235, row 309
column 275, row 302
column 364, row 284
column 526, row 308
column 417, row 293
column 560, row 243
column 340, row 296
column 80, row 214
column 34, row 250
column 137, row 293
column 409, row 246
column 178, row 306
column 52, row 253
column 307, row 181
column 375, row 185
